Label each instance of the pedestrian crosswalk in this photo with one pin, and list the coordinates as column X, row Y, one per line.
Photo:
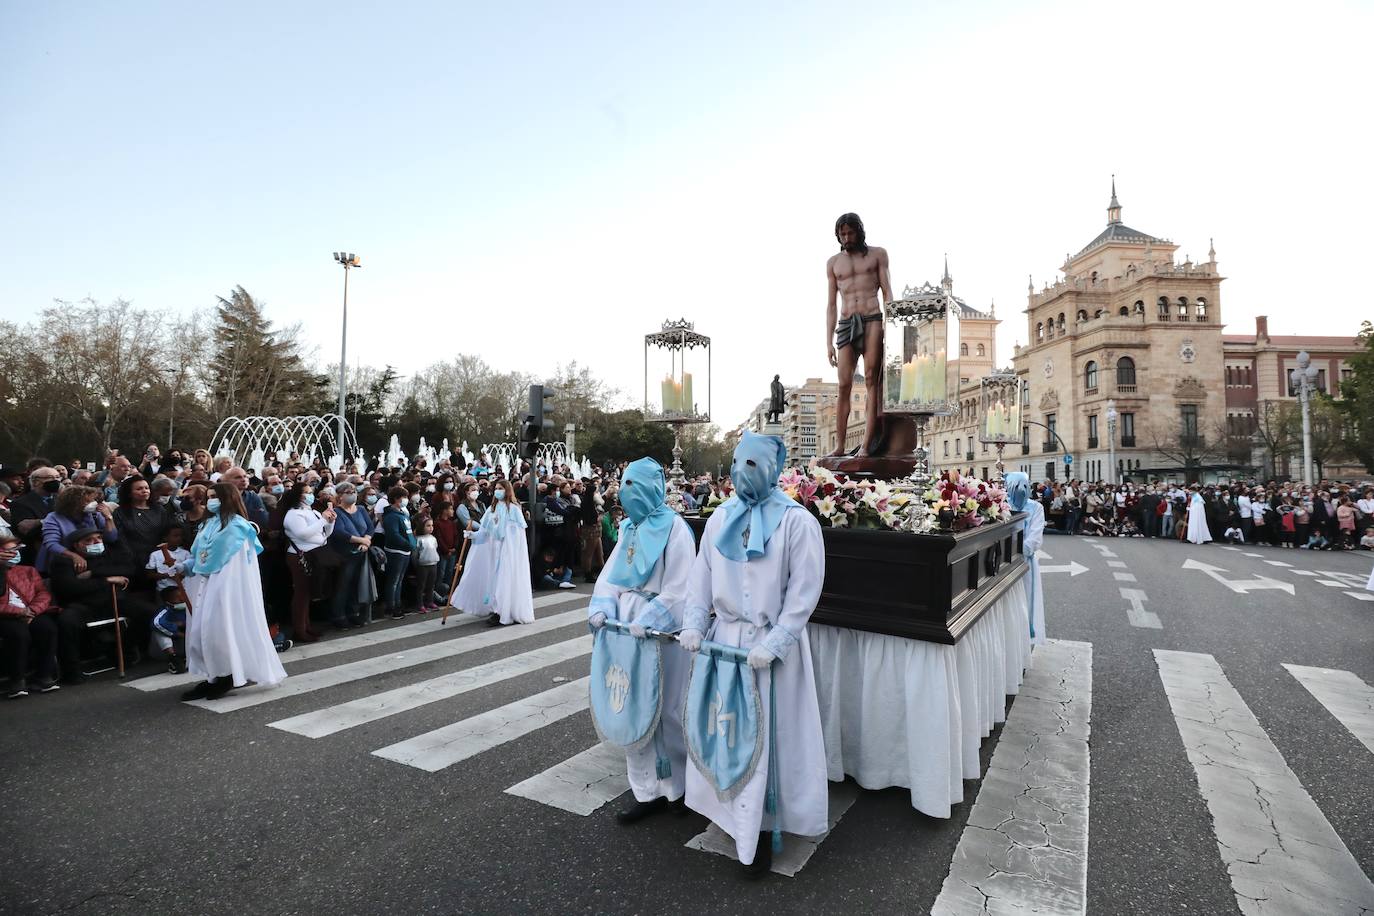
column 1026, row 841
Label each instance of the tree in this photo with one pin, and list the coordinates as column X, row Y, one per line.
column 103, row 358
column 29, row 397
column 1329, row 433
column 255, row 370
column 1278, row 428
column 1357, row 398
column 608, row 438
column 1189, row 451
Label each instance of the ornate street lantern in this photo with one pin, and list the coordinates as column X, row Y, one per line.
column 677, row 373
column 999, row 411
column 920, row 365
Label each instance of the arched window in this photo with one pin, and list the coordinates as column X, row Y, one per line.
column 1097, row 314
column 1124, row 312
column 1163, row 308
column 982, row 351
column 1039, row 331
column 1090, row 375
column 1082, row 314
column 1200, row 309
column 1182, row 308
column 963, row 349
column 1139, row 307
column 1125, row 374
column 1061, row 324
column 1094, row 278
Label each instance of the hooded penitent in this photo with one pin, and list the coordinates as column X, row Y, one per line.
column 644, row 533
column 756, row 509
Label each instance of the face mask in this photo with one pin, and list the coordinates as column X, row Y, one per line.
column 429, row 489
column 163, row 500
column 90, row 507
column 499, row 494
column 14, row 560
column 415, row 500
column 278, row 489
column 472, row 494
column 448, row 486
column 308, row 499
column 95, row 550
column 350, row 498
column 52, row 486
column 212, row 505
column 372, row 499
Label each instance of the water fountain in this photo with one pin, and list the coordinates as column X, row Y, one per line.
column 249, row 440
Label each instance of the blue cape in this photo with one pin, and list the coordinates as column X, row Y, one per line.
column 495, row 519
column 644, row 533
column 216, row 544
column 756, row 509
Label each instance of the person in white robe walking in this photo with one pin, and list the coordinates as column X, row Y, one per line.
column 760, row 567
column 644, row 584
column 1018, row 494
column 1197, row 518
column 498, row 585
column 227, row 641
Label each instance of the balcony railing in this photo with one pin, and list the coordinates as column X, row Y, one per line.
column 1025, row 449
column 1092, row 442
column 1049, row 445
column 1128, row 441
column 1125, row 389
column 1192, row 441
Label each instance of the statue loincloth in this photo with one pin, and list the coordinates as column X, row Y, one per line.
column 849, row 332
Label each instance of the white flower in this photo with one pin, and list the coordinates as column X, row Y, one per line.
column 870, row 499
column 839, row 520
column 825, row 506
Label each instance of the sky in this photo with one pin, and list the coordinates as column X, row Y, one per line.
column 545, row 182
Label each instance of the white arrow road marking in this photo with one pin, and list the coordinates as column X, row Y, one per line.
column 1280, row 851
column 1344, row 695
column 1137, row 615
column 1041, row 555
column 1239, row 586
column 1072, row 568
column 1349, row 579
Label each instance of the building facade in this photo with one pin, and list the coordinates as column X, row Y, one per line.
column 801, row 418
column 1262, row 407
column 1126, row 324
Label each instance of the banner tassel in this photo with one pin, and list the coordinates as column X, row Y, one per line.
column 770, row 803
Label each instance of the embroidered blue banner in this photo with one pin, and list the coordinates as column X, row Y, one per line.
column 626, row 687
column 722, row 718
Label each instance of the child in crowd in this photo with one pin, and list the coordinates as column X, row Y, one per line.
column 1233, row 535
column 610, row 528
column 169, row 625
column 169, row 558
column 426, row 564
column 1367, row 542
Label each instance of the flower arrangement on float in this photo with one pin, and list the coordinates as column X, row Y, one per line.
column 956, row 503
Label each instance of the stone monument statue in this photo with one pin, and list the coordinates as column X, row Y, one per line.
column 775, row 400
column 859, row 278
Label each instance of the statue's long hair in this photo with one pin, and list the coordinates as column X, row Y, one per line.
column 852, row 220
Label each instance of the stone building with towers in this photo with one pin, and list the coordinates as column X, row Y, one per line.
column 1127, row 324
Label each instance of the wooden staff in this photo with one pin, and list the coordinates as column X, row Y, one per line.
column 453, row 586
column 119, row 629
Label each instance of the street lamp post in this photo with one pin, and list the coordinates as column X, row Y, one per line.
column 1304, row 379
column 348, row 260
column 172, row 403
column 1111, row 438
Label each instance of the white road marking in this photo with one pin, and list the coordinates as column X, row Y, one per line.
column 1073, row 568
column 1025, row 848
column 1331, row 582
column 1231, row 548
column 1344, row 695
column 333, row 719
column 1041, row 555
column 1123, row 577
column 1254, row 554
column 1136, row 614
column 1361, row 596
column 1239, row 586
column 1303, row 572
column 1116, row 564
column 1350, row 579
column 443, row 747
column 302, row 651
column 796, row 850
column 1281, row 853
column 581, row 784
column 341, row 674
column 1279, row 563
column 1104, row 550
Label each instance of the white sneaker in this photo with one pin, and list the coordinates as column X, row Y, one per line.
column 566, row 585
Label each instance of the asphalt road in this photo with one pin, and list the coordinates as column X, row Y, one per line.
column 121, row 800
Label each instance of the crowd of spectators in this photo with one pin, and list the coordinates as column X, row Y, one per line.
column 80, row 547
column 1329, row 516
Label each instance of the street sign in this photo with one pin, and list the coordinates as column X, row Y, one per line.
column 1068, row 459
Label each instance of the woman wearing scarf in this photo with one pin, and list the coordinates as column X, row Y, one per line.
column 760, row 568
column 1018, row 495
column 227, row 641
column 496, row 575
column 644, row 585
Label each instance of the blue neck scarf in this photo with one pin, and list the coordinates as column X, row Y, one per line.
column 644, row 533
column 500, row 515
column 216, row 544
column 756, row 509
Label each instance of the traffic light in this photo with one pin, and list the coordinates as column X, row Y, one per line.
column 536, row 421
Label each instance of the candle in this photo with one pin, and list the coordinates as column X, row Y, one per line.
column 990, row 429
column 686, row 400
column 907, row 389
column 669, row 395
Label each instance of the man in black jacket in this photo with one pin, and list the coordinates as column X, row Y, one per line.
column 1149, row 521
column 28, row 511
column 89, row 596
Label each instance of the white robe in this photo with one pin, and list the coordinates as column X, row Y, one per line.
column 667, row 580
column 1035, row 539
column 1369, row 586
column 1197, row 521
column 777, row 590
column 226, row 632
column 498, row 582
